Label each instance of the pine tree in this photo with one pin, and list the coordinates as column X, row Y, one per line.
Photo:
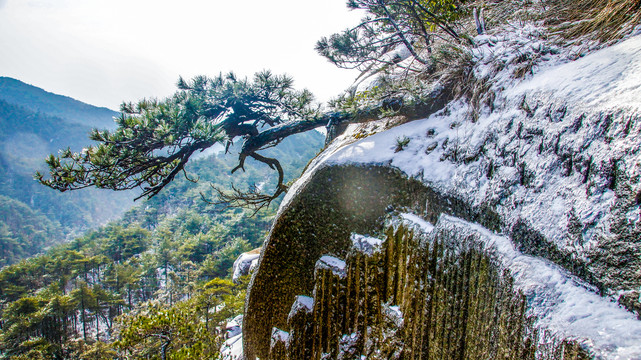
column 155, row 139
column 390, row 25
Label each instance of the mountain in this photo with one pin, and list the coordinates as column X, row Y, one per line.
column 40, row 101
column 33, row 124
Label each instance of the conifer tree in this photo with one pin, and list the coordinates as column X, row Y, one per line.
column 390, row 25
column 156, row 138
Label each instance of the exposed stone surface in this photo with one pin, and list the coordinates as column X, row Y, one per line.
column 553, row 165
column 462, row 293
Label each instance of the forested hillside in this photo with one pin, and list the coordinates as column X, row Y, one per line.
column 163, row 268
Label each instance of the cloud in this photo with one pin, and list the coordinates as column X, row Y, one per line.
column 2, row 3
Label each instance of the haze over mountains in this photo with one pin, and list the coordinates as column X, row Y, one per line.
column 69, row 110
column 33, row 124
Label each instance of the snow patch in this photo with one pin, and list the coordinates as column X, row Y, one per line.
column 607, row 79
column 234, row 327
column 561, row 302
column 232, row 348
column 333, row 264
column 279, row 336
column 365, row 244
column 302, row 303
column 425, row 226
column 244, row 263
column 394, row 315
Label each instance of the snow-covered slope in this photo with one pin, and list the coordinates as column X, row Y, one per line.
column 545, row 155
column 561, row 303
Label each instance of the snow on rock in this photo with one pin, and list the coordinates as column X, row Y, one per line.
column 302, row 303
column 234, row 327
column 244, row 263
column 562, row 303
column 515, row 158
column 425, row 226
column 543, row 155
column 254, row 265
column 279, row 336
column 607, row 79
column 232, row 348
column 394, row 314
column 365, row 244
column 333, row 264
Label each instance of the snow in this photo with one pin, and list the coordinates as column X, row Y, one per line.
column 302, row 303
column 234, row 327
column 365, row 244
column 532, row 123
column 562, row 303
column 394, row 314
column 607, row 79
column 333, row 264
column 503, row 136
column 235, row 322
column 232, row 348
column 396, row 309
column 254, row 265
column 279, row 336
column 425, row 226
column 243, row 264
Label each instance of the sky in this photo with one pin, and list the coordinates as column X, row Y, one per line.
column 104, row 52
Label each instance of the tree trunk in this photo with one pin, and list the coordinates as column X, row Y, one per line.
column 82, row 314
column 163, row 349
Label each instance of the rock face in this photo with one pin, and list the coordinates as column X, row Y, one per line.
column 553, row 166
column 455, row 301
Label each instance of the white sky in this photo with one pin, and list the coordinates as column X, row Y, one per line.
column 104, row 52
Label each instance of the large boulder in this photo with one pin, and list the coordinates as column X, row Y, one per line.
column 553, row 164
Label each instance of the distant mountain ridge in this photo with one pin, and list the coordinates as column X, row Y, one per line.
column 68, row 109
column 33, row 124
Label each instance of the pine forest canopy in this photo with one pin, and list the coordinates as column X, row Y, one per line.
column 156, row 138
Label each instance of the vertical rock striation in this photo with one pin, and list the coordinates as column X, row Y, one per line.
column 445, row 294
